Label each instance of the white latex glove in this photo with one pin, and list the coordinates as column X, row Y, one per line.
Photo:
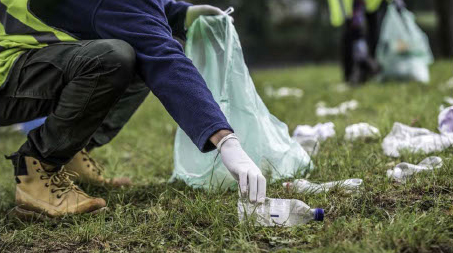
column 251, row 180
column 193, row 12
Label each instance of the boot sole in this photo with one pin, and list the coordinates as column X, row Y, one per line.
column 26, row 215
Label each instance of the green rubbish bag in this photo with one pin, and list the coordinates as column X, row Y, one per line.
column 403, row 49
column 213, row 46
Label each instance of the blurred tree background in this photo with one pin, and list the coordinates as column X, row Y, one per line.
column 285, row 32
column 444, row 11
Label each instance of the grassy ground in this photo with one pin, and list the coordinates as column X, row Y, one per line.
column 156, row 216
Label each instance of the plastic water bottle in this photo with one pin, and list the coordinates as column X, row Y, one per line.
column 404, row 171
column 279, row 212
column 305, row 186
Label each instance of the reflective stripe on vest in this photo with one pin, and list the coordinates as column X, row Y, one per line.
column 373, row 5
column 20, row 31
column 340, row 10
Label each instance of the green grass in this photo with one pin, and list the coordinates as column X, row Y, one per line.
column 156, row 216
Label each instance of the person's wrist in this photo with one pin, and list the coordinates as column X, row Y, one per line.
column 218, row 136
column 229, row 140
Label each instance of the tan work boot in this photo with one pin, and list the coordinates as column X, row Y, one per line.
column 90, row 172
column 46, row 193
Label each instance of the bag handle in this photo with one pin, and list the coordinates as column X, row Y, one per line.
column 229, row 11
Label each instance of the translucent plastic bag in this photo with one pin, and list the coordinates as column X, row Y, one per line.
column 403, row 49
column 213, row 46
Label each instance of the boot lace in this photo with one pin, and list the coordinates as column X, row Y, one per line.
column 62, row 181
column 98, row 168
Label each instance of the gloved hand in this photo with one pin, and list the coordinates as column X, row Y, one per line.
column 251, row 180
column 193, row 12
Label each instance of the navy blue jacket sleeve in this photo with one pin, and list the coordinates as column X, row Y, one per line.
column 176, row 16
column 162, row 64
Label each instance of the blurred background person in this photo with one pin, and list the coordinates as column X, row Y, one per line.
column 362, row 25
column 286, row 33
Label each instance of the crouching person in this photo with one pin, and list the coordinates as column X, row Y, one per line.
column 81, row 64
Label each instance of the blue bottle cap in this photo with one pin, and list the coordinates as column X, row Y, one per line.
column 319, row 214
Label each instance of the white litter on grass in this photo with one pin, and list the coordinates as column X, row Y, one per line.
column 414, row 140
column 310, row 137
column 284, row 92
column 447, row 85
column 403, row 171
column 343, row 108
column 361, row 131
column 321, row 131
column 341, row 88
column 448, row 101
column 420, row 140
column 445, row 121
column 305, row 186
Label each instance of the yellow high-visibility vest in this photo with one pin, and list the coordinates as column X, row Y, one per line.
column 20, row 31
column 340, row 10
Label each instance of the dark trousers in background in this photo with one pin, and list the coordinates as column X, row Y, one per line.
column 370, row 32
column 87, row 89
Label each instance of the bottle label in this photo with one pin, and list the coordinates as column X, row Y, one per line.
column 279, row 210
